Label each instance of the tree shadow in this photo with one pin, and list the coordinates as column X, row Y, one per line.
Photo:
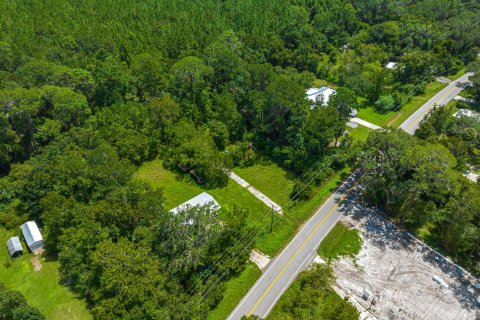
column 382, row 233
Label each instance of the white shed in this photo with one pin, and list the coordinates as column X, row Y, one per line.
column 14, row 246
column 201, row 200
column 32, row 235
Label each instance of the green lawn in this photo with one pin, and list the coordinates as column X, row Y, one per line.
column 359, row 133
column 341, row 241
column 41, row 289
column 457, row 75
column 236, row 288
column 395, row 119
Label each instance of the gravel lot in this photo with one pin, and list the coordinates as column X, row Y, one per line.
column 398, row 270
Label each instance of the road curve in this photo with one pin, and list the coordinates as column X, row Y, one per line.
column 440, row 99
column 298, row 254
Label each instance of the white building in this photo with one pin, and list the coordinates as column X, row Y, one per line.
column 391, row 65
column 201, row 200
column 14, row 246
column 320, row 94
column 32, row 235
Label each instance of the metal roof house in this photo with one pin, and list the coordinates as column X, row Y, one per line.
column 14, row 246
column 317, row 94
column 391, row 65
column 201, row 200
column 32, row 235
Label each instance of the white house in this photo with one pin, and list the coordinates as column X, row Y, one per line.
column 14, row 246
column 320, row 94
column 201, row 200
column 391, row 65
column 32, row 235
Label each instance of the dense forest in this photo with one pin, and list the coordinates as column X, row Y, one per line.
column 89, row 90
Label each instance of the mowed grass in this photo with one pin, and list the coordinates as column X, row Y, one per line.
column 341, row 241
column 236, row 288
column 395, row 119
column 272, row 180
column 179, row 187
column 41, row 289
column 359, row 134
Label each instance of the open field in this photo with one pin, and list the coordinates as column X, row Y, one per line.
column 394, row 119
column 398, row 270
column 40, row 289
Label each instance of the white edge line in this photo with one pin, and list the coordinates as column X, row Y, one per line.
column 301, row 268
column 286, row 248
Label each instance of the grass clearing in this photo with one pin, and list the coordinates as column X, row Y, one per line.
column 457, row 75
column 359, row 134
column 395, row 119
column 341, row 241
column 236, row 288
column 41, row 289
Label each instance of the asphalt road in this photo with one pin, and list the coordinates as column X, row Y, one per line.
column 440, row 99
column 299, row 253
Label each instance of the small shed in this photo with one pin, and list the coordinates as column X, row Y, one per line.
column 32, row 235
column 202, row 199
column 14, row 246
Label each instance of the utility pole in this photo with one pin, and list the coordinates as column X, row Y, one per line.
column 271, row 222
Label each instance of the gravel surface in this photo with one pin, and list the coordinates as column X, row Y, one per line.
column 398, row 270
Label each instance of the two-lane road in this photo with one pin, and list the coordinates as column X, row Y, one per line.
column 440, row 99
column 299, row 253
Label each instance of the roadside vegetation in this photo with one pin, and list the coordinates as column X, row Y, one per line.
column 311, row 297
column 102, row 101
column 340, row 241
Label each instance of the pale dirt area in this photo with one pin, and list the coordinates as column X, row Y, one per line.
column 397, row 271
column 260, row 259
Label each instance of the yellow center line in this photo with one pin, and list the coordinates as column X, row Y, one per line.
column 301, row 247
column 421, row 116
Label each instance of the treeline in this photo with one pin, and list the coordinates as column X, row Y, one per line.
column 14, row 307
column 420, row 184
column 91, row 89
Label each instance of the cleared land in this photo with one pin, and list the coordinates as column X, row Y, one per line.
column 41, row 289
column 394, row 119
column 399, row 271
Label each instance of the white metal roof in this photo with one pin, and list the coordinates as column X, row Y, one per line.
column 14, row 245
column 31, row 232
column 316, row 94
column 201, row 200
column 391, row 65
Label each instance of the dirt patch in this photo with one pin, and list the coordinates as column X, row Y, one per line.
column 393, row 275
column 37, row 265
